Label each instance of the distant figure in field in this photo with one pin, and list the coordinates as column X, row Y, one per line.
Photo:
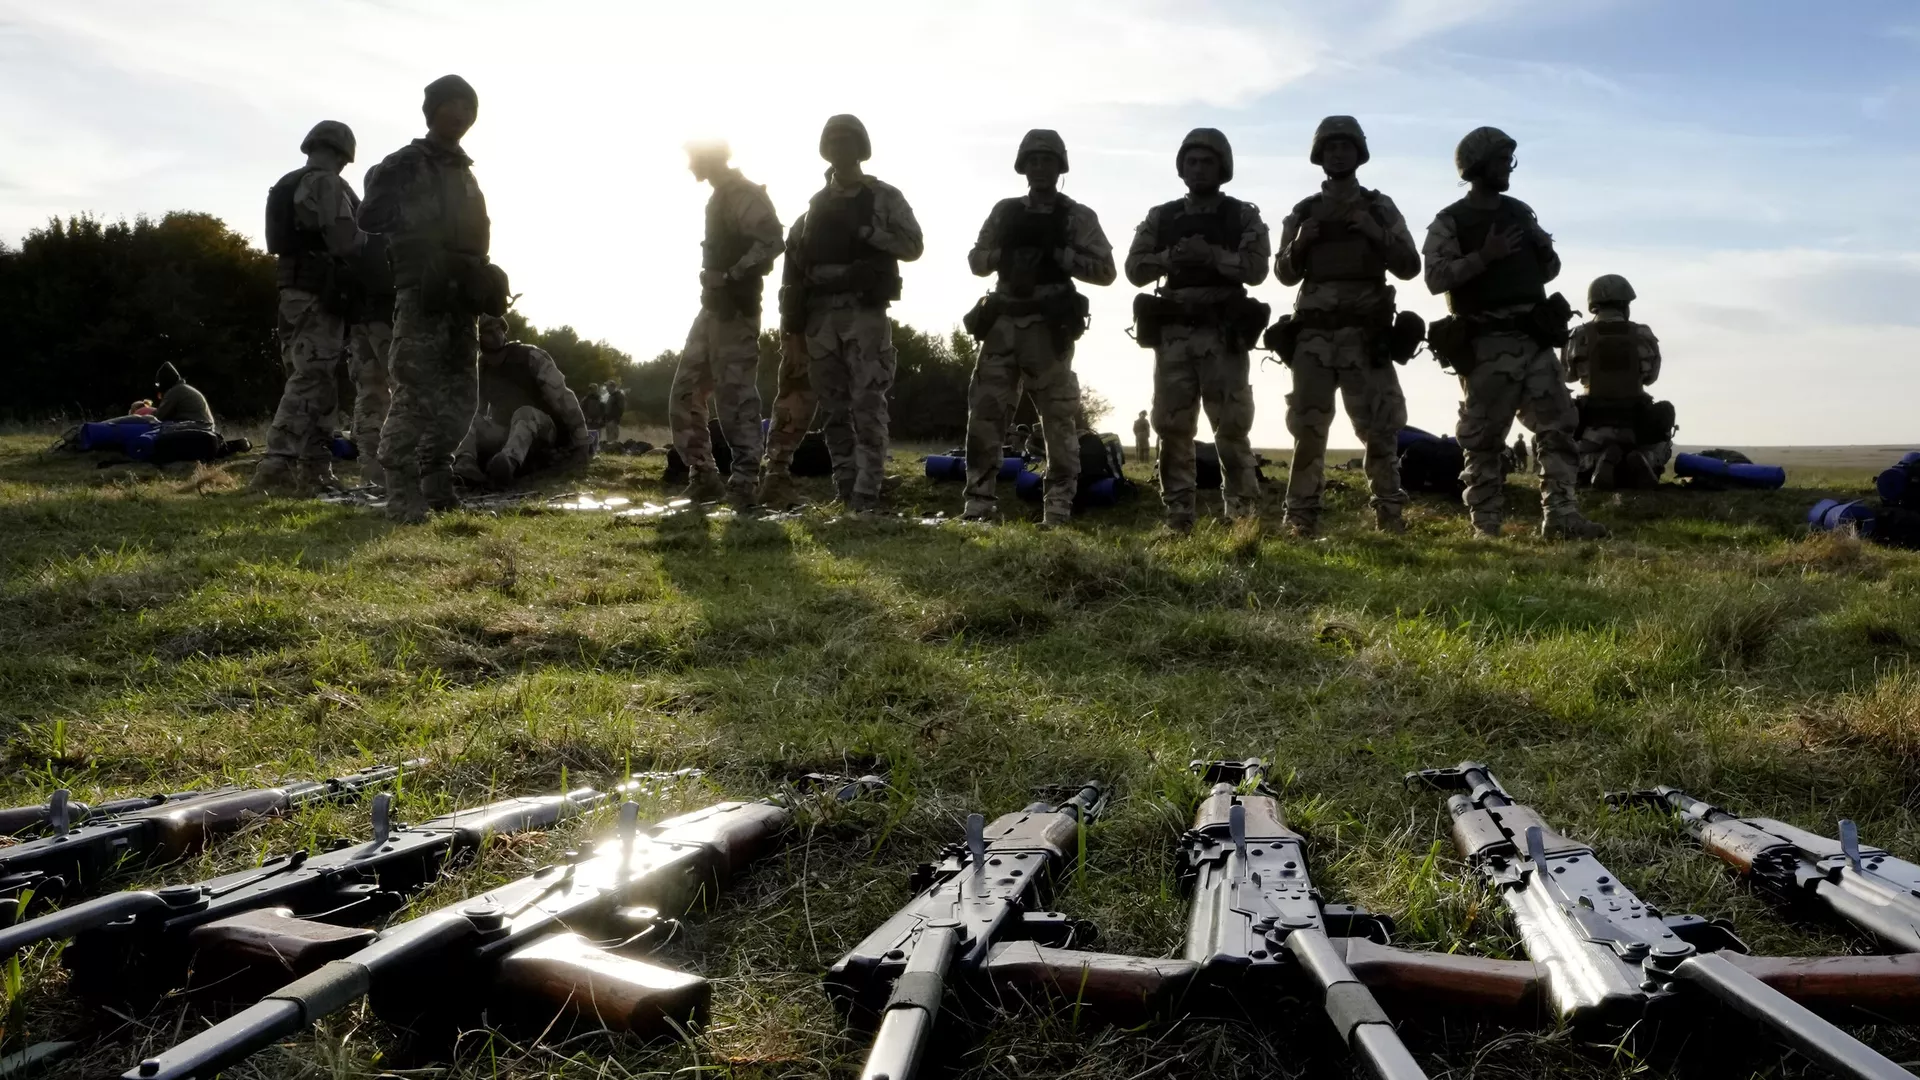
column 1520, row 456
column 527, row 417
column 311, row 231
column 1142, row 436
column 616, row 408
column 1625, row 437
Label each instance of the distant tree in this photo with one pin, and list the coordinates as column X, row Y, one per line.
column 88, row 310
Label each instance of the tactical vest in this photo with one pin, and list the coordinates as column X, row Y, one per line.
column 1613, row 361
column 459, row 219
column 510, row 384
column 302, row 262
column 1341, row 253
column 1513, row 281
column 724, row 246
column 834, row 222
column 1219, row 227
column 1027, row 239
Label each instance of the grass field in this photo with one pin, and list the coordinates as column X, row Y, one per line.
column 166, row 630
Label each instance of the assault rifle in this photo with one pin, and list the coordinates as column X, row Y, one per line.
column 278, row 920
column 77, row 858
column 523, row 942
column 60, row 812
column 1258, row 930
column 1863, row 885
column 1608, row 959
column 985, row 890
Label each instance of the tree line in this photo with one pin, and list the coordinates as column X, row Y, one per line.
column 89, row 310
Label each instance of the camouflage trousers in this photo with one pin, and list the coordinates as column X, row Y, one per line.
column 1018, row 354
column 721, row 362
column 1141, row 447
column 526, row 433
column 368, row 346
column 1618, row 443
column 312, row 343
column 1516, row 375
column 1325, row 361
column 850, row 360
column 433, row 369
column 1196, row 367
column 793, row 404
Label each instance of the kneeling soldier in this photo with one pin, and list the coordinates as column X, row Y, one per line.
column 527, row 417
column 1339, row 246
column 1625, row 437
column 1038, row 244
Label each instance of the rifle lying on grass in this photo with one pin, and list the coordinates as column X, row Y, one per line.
column 522, row 944
column 61, row 813
column 1805, row 871
column 276, row 921
column 1607, row 958
column 1259, row 931
column 983, row 891
column 76, row 859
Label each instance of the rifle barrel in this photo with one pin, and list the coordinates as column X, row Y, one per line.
column 1792, row 1022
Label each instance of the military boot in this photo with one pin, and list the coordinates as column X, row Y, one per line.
column 1571, row 525
column 371, row 474
column 1603, row 470
column 980, row 510
column 437, row 489
column 405, row 503
column 274, row 476
column 1178, row 525
column 705, row 487
column 1389, row 519
column 776, row 490
column 318, row 476
column 1301, row 524
column 1486, row 526
column 499, row 470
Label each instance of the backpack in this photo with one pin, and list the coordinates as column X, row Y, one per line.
column 1432, row 464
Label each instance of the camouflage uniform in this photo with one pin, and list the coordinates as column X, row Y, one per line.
column 722, row 358
column 1343, row 306
column 1142, row 434
column 852, row 238
column 426, row 201
column 310, row 224
column 1204, row 362
column 1023, row 348
column 525, row 412
column 1607, row 447
column 369, row 341
column 1512, row 372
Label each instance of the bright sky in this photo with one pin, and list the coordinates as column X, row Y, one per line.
column 1747, row 163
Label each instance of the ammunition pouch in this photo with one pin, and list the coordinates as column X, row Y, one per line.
column 1405, row 338
column 455, row 283
column 875, row 281
column 1283, row 337
column 1451, row 339
column 1066, row 314
column 1547, row 322
column 1657, row 423
column 1242, row 317
column 733, row 299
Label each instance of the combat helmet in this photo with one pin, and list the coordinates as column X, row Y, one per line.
column 1609, row 289
column 329, row 133
column 1040, row 139
column 1213, row 139
column 1339, row 127
column 847, row 122
column 1481, row 145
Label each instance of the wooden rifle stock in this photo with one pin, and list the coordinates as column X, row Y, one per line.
column 1504, row 990
column 267, row 948
column 1124, row 989
column 1845, row 987
column 566, row 974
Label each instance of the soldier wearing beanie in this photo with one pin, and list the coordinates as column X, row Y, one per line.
column 425, row 201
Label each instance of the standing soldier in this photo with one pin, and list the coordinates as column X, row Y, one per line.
column 1209, row 247
column 368, row 341
column 845, row 271
column 310, row 227
column 722, row 357
column 793, row 397
column 425, row 200
column 1625, row 436
column 1489, row 254
column 1142, row 433
column 1342, row 243
column 1037, row 244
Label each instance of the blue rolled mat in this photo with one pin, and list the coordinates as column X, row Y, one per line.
column 1409, row 435
column 1892, row 484
column 950, row 467
column 343, row 448
column 105, row 435
column 1830, row 514
column 1758, row 477
column 1030, row 486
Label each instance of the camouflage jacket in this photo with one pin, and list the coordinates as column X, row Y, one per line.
column 1401, row 256
column 1247, row 263
column 1581, row 346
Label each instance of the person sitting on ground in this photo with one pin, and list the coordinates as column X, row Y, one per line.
column 180, row 401
column 526, row 419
